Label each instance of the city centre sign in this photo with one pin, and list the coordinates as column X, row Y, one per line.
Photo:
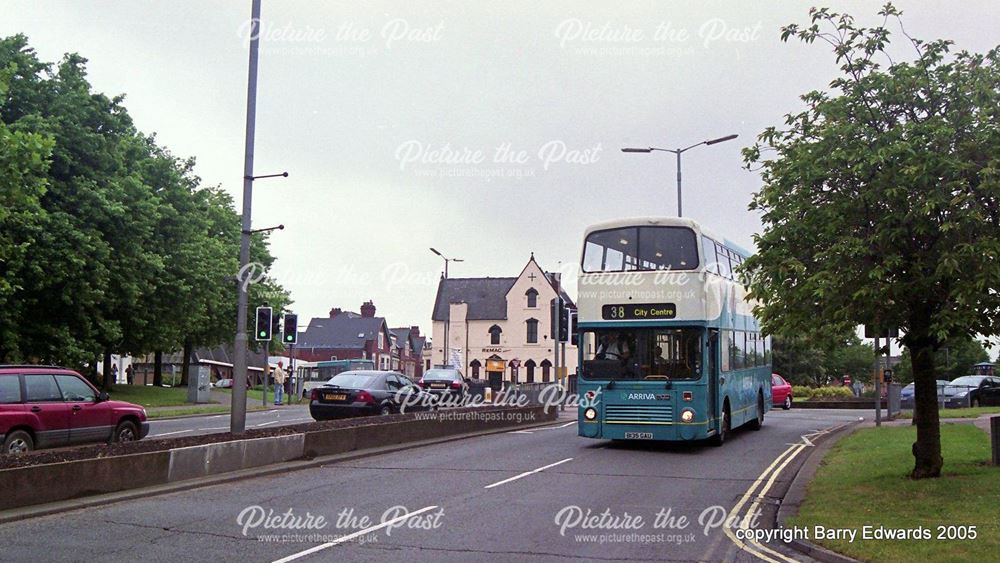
column 639, row 311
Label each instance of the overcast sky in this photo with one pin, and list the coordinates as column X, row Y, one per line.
column 486, row 130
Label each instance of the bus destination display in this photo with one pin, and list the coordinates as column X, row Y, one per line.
column 639, row 311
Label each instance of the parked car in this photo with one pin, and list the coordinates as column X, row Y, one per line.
column 368, row 392
column 445, row 383
column 224, row 383
column 972, row 391
column 781, row 392
column 906, row 394
column 48, row 406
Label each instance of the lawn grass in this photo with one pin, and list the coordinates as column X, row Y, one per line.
column 864, row 481
column 958, row 413
column 150, row 396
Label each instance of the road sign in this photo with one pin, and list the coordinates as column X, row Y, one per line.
column 876, row 332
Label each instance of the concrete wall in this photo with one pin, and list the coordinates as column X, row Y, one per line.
column 41, row 484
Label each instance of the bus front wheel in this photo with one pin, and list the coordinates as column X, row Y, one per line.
column 723, row 433
column 756, row 423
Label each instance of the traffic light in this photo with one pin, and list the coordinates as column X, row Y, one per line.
column 559, row 307
column 264, row 330
column 291, row 333
column 574, row 337
column 275, row 325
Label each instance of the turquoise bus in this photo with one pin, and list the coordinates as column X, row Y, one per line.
column 669, row 348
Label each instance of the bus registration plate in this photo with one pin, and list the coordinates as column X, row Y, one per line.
column 638, row 435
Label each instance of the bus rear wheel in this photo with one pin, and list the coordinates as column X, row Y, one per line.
column 756, row 423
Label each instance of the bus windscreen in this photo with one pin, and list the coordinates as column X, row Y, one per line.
column 642, row 353
column 640, row 248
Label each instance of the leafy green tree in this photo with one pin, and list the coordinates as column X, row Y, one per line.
column 851, row 357
column 954, row 359
column 879, row 202
column 799, row 360
column 108, row 242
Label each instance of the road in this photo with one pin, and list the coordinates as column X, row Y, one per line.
column 508, row 496
column 211, row 424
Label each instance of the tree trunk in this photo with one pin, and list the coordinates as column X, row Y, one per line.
column 158, row 369
column 927, row 448
column 186, row 363
column 109, row 378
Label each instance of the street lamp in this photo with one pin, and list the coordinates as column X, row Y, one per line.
column 446, row 260
column 678, row 153
column 447, row 322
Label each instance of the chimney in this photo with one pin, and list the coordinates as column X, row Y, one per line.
column 368, row 309
column 415, row 330
column 335, row 311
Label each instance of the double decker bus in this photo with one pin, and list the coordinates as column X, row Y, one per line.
column 669, row 348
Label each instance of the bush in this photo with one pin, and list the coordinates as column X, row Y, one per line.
column 802, row 392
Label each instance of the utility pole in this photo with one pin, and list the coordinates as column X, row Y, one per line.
column 878, row 384
column 237, row 419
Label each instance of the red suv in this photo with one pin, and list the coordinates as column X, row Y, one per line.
column 45, row 406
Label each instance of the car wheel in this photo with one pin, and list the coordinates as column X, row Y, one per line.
column 756, row 423
column 18, row 442
column 125, row 432
column 788, row 403
column 385, row 410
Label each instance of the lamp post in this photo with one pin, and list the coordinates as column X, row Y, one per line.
column 447, row 321
column 678, row 152
column 238, row 413
column 446, row 260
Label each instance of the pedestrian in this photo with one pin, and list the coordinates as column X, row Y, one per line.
column 279, row 384
column 129, row 374
column 114, row 373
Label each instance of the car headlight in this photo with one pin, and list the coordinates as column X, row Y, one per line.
column 961, row 394
column 590, row 414
column 687, row 415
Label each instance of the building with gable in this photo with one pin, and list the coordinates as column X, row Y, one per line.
column 499, row 329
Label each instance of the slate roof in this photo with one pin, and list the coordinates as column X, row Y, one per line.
column 486, row 297
column 346, row 330
column 402, row 336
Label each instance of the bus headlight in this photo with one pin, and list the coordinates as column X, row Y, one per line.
column 687, row 415
column 590, row 414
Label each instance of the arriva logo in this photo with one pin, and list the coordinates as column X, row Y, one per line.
column 640, row 397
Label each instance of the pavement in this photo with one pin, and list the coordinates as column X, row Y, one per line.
column 541, row 494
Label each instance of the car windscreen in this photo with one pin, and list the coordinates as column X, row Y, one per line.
column 442, row 375
column 348, row 380
column 967, row 381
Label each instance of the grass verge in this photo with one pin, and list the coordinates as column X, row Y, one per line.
column 958, row 413
column 150, row 396
column 863, row 482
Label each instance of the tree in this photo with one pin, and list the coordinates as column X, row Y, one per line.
column 799, row 360
column 954, row 359
column 880, row 202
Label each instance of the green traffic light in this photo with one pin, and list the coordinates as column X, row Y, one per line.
column 263, row 334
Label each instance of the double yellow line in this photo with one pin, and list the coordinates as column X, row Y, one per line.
column 767, row 478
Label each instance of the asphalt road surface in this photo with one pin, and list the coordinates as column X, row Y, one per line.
column 515, row 496
column 211, row 424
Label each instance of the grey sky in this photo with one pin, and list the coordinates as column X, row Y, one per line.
column 352, row 98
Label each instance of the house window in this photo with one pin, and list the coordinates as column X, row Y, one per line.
column 532, row 325
column 495, row 334
column 529, row 371
column 475, row 368
column 546, row 369
column 381, row 341
column 532, row 298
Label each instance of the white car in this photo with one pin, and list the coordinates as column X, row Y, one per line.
column 224, row 383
